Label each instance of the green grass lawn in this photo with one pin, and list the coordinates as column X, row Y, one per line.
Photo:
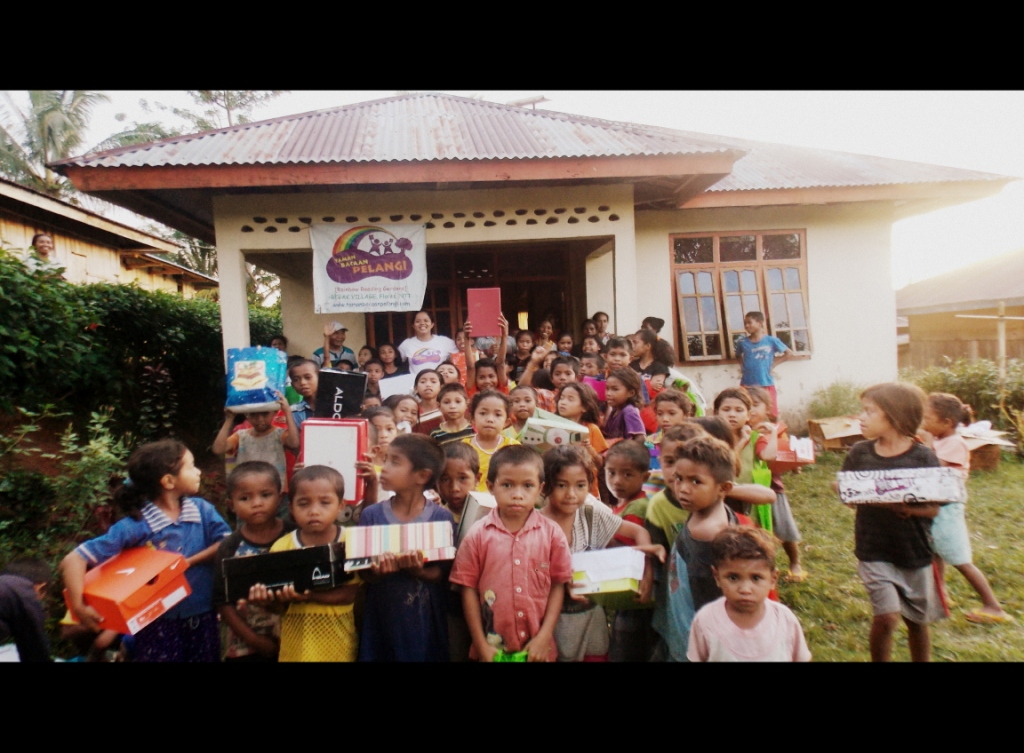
column 833, row 606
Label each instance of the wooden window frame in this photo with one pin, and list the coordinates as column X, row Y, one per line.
column 718, row 270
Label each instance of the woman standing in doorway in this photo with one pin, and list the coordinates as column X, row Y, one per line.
column 425, row 350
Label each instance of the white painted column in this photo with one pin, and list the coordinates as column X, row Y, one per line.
column 234, row 309
column 626, row 313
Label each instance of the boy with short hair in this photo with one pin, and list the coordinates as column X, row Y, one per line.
column 700, row 479
column 23, row 585
column 757, row 351
column 564, row 369
column 744, row 624
column 305, row 376
column 513, row 564
column 592, row 365
column 253, row 495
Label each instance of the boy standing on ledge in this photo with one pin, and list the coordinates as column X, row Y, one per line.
column 757, row 352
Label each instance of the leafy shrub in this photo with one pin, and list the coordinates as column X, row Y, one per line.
column 977, row 384
column 838, row 399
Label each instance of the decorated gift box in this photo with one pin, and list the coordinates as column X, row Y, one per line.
column 542, row 434
column 610, row 577
column 910, row 485
column 310, row 569
column 254, row 377
column 363, row 543
column 135, row 587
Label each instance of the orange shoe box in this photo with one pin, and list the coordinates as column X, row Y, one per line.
column 135, row 587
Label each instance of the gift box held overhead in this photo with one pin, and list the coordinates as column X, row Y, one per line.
column 609, row 577
column 338, row 443
column 902, row 485
column 135, row 587
column 255, row 376
column 544, row 433
column 363, row 543
column 310, row 569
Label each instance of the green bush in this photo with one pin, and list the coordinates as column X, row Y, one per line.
column 838, row 399
column 157, row 358
column 977, row 384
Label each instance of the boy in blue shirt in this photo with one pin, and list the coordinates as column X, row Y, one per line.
column 757, row 352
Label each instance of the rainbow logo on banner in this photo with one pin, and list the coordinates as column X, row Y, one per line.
column 369, row 251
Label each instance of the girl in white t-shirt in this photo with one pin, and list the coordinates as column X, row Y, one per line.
column 426, row 350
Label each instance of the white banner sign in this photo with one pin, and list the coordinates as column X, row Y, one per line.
column 368, row 268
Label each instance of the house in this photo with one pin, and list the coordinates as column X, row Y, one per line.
column 90, row 247
column 931, row 308
column 567, row 214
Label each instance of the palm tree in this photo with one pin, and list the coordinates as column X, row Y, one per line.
column 53, row 128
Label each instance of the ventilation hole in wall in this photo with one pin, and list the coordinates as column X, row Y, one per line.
column 531, row 221
column 415, row 217
column 580, row 210
column 459, row 215
column 603, row 208
column 270, row 229
column 540, row 212
column 293, row 229
column 521, row 211
column 489, row 223
column 478, row 215
column 281, row 220
column 430, row 226
column 246, row 228
column 551, row 221
column 306, row 220
column 327, row 219
column 560, row 210
column 573, row 220
column 510, row 222
column 350, row 219
column 499, row 213
column 396, row 217
column 373, row 219
column 593, row 218
column 437, row 216
column 449, row 224
column 613, row 217
column 469, row 223
column 260, row 220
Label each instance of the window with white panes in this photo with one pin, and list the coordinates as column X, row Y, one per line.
column 719, row 277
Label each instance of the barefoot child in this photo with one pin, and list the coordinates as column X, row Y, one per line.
column 893, row 546
column 942, row 414
column 513, row 565
column 254, row 495
column 744, row 624
column 489, row 410
column 454, row 426
column 317, row 626
column 406, row 601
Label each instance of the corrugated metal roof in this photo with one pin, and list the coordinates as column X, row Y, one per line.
column 413, row 127
column 768, row 166
column 979, row 285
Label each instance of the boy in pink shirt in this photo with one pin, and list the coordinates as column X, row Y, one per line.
column 513, row 564
column 743, row 625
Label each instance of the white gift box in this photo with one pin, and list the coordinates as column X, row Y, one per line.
column 900, row 485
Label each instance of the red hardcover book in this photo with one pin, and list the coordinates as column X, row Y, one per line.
column 483, row 309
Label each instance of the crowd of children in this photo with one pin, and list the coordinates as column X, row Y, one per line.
column 695, row 494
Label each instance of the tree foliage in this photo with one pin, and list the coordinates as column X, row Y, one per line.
column 222, row 108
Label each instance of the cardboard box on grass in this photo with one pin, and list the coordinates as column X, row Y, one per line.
column 338, row 443
column 542, row 434
column 610, row 577
column 835, row 433
column 478, row 506
column 902, row 485
column 313, row 568
column 135, row 587
column 363, row 543
column 985, row 448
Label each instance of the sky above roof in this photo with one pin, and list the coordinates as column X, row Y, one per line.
column 970, row 130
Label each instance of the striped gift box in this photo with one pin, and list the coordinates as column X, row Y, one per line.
column 362, row 543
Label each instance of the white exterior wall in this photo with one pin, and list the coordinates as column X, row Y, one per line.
column 608, row 213
column 851, row 303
